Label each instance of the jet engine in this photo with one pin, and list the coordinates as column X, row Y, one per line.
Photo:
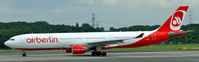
column 78, row 49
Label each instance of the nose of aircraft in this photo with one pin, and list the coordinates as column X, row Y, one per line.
column 8, row 43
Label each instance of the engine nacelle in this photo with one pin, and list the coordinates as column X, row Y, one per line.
column 78, row 49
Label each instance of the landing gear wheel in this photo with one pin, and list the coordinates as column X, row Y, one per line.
column 24, row 54
column 103, row 53
column 94, row 53
column 98, row 53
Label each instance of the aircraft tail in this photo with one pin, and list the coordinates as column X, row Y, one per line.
column 175, row 21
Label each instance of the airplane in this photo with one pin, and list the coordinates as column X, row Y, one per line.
column 97, row 42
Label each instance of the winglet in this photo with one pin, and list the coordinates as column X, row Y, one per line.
column 139, row 36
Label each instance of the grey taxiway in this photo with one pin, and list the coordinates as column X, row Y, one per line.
column 113, row 56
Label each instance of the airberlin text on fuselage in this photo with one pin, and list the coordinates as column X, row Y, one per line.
column 49, row 39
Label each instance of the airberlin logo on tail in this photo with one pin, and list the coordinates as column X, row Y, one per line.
column 49, row 39
column 176, row 20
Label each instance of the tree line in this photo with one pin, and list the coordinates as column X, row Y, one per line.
column 10, row 29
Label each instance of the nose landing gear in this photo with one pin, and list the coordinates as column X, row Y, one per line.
column 24, row 54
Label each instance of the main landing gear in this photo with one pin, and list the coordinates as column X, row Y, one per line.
column 98, row 53
column 24, row 54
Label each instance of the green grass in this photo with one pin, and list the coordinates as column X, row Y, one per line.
column 8, row 50
column 164, row 47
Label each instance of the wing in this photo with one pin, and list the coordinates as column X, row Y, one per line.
column 109, row 42
column 105, row 43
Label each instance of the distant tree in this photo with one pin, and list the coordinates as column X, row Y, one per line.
column 87, row 28
column 77, row 25
column 112, row 29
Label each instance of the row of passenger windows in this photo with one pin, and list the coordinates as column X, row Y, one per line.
column 96, row 38
column 86, row 38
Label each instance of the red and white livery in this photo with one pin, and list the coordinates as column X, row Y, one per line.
column 79, row 43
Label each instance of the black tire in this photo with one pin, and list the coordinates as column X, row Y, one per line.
column 24, row 55
column 98, row 53
column 103, row 53
column 93, row 53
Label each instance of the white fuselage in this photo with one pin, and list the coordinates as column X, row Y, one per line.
column 65, row 40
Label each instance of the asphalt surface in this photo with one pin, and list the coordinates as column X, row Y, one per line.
column 113, row 56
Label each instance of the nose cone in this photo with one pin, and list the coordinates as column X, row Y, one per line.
column 8, row 44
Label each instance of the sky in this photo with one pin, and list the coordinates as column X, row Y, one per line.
column 109, row 13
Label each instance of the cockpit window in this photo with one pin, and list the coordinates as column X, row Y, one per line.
column 12, row 39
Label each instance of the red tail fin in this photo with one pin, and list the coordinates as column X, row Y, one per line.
column 175, row 21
